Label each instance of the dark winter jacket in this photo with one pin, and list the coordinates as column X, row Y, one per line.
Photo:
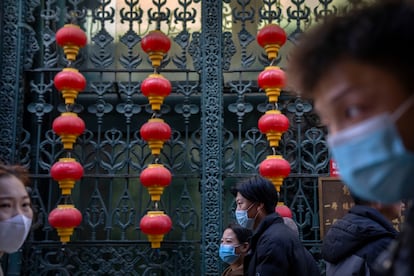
column 398, row 259
column 353, row 243
column 276, row 250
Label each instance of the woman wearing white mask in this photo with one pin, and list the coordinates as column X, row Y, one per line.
column 15, row 209
column 234, row 246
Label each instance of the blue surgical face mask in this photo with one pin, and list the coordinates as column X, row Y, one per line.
column 243, row 218
column 372, row 159
column 228, row 253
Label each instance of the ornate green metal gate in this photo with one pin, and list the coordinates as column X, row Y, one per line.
column 213, row 111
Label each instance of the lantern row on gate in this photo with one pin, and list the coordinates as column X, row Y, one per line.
column 155, row 177
column 273, row 123
column 68, row 126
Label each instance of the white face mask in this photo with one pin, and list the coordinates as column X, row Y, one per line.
column 13, row 233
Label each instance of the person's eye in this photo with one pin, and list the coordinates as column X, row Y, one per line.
column 353, row 112
column 27, row 204
column 5, row 205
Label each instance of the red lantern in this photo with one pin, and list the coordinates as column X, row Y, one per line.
column 155, row 177
column 66, row 172
column 156, row 88
column 71, row 37
column 272, row 80
column 70, row 82
column 271, row 37
column 275, row 168
column 156, row 44
column 65, row 218
column 155, row 132
column 283, row 211
column 68, row 126
column 155, row 224
column 273, row 123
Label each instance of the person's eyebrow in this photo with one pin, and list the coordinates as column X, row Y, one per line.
column 335, row 96
column 339, row 93
column 7, row 197
column 26, row 197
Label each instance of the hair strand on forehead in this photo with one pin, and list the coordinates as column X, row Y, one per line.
column 15, row 170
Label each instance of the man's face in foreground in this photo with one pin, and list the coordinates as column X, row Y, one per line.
column 352, row 92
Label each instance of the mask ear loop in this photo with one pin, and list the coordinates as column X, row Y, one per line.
column 251, row 205
column 255, row 216
column 241, row 247
column 402, row 109
column 234, row 249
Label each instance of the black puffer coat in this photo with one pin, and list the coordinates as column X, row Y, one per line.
column 353, row 243
column 398, row 260
column 276, row 250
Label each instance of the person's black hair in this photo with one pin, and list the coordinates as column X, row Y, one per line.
column 260, row 190
column 380, row 34
column 359, row 201
column 243, row 234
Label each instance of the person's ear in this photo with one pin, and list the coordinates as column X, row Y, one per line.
column 260, row 208
column 244, row 248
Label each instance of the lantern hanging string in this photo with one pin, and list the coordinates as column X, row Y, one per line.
column 69, row 107
column 62, row 250
column 155, row 115
column 272, row 62
column 74, row 17
column 270, row 13
column 65, row 200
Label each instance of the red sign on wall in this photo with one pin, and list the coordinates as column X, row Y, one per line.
column 333, row 168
